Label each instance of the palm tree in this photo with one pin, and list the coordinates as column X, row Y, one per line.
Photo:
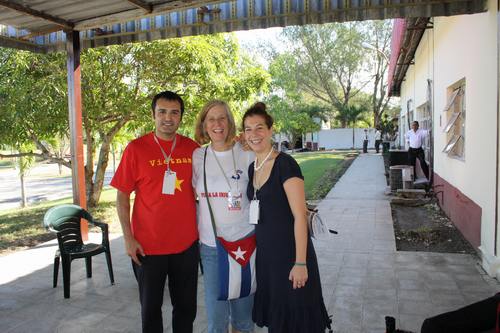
column 349, row 115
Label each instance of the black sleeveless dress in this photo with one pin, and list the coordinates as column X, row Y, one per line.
column 276, row 304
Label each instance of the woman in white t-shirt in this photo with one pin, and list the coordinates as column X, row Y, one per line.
column 227, row 178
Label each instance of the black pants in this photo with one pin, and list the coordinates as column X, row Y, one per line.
column 413, row 154
column 182, row 272
column 377, row 145
column 365, row 146
column 477, row 317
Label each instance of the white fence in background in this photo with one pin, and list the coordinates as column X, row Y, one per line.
column 341, row 138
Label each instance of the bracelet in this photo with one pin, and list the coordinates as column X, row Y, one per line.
column 300, row 263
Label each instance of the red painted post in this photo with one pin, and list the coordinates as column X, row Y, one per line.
column 75, row 122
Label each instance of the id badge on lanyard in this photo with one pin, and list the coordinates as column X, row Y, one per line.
column 254, row 211
column 234, row 200
column 170, row 177
column 169, row 182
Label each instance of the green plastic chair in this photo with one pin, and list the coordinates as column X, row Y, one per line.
column 64, row 220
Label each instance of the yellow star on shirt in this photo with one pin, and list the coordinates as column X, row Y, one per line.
column 178, row 183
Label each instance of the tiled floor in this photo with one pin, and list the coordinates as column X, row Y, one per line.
column 364, row 278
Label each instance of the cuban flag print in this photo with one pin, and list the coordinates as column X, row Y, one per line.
column 236, row 261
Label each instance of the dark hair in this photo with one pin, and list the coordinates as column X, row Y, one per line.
column 169, row 96
column 258, row 109
column 415, row 122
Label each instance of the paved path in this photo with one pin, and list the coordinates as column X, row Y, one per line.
column 364, row 278
column 43, row 183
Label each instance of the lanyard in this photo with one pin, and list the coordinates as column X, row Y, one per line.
column 255, row 187
column 167, row 158
column 222, row 169
column 257, row 168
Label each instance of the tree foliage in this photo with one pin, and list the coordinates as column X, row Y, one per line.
column 32, row 97
column 328, row 60
column 294, row 118
column 335, row 64
column 378, row 37
column 294, row 114
column 118, row 83
column 349, row 115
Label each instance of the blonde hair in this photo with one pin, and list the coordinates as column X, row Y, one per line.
column 201, row 135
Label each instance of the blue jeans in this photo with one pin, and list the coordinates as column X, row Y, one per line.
column 239, row 311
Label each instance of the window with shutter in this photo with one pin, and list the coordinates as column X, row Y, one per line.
column 455, row 121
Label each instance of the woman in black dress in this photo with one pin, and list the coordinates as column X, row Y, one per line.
column 288, row 297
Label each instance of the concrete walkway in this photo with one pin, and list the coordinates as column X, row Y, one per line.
column 364, row 278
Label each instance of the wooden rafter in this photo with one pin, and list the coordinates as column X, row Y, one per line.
column 40, row 33
column 133, row 14
column 35, row 13
column 141, row 4
column 19, row 44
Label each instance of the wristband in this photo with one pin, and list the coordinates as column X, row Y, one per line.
column 300, row 264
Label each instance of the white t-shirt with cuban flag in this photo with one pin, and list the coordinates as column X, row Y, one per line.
column 231, row 219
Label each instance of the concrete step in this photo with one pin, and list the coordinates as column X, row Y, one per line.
column 410, row 201
column 411, row 193
column 421, row 183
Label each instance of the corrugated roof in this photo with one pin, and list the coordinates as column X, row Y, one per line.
column 398, row 31
column 67, row 10
column 37, row 25
column 406, row 36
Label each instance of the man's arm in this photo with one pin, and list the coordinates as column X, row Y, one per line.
column 132, row 246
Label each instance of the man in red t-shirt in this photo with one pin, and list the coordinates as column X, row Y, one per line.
column 161, row 237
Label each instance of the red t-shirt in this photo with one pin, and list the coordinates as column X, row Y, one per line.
column 161, row 223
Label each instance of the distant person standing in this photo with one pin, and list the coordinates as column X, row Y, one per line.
column 415, row 138
column 378, row 139
column 365, row 142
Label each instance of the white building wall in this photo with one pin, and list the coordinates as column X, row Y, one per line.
column 463, row 47
column 475, row 59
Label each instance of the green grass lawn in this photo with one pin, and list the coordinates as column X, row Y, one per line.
column 314, row 165
column 21, row 228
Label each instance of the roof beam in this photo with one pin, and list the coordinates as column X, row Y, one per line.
column 134, row 14
column 40, row 33
column 141, row 4
column 14, row 43
column 35, row 13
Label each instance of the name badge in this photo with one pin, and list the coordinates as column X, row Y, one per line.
column 234, row 200
column 254, row 212
column 169, row 183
